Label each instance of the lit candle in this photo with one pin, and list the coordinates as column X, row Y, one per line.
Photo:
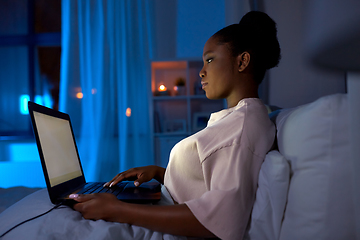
column 162, row 88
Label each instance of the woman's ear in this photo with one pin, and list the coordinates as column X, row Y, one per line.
column 243, row 61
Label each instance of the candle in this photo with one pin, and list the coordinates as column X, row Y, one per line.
column 162, row 88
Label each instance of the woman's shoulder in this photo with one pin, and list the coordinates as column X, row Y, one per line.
column 259, row 130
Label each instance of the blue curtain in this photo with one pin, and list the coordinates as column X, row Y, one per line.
column 106, row 52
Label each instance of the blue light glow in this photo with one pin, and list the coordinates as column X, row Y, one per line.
column 42, row 100
column 39, row 100
column 23, row 152
column 23, row 104
column 47, row 101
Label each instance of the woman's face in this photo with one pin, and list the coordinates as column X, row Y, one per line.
column 220, row 72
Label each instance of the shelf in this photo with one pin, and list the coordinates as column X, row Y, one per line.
column 173, row 98
column 198, row 97
column 171, row 134
column 169, row 98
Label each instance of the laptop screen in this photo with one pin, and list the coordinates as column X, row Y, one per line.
column 58, row 148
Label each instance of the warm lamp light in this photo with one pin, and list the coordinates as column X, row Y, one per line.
column 128, row 112
column 79, row 95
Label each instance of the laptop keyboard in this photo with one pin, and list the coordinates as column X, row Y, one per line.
column 99, row 188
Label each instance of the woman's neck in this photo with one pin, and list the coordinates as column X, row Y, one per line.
column 251, row 91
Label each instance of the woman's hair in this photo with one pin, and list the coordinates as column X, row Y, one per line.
column 256, row 33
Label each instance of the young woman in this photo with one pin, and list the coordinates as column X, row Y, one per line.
column 212, row 175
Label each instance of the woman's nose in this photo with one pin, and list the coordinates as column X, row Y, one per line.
column 202, row 73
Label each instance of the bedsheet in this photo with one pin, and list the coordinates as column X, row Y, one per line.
column 9, row 196
column 65, row 223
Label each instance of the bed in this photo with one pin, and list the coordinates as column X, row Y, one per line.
column 62, row 222
column 9, row 196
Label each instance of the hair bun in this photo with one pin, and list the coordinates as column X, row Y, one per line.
column 261, row 37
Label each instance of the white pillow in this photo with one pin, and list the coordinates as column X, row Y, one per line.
column 270, row 202
column 314, row 138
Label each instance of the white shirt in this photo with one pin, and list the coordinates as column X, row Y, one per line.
column 215, row 171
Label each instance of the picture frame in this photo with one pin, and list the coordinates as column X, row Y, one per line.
column 175, row 126
column 200, row 120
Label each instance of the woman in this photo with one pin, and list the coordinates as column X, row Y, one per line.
column 212, row 175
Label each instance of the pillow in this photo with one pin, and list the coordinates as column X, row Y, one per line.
column 269, row 205
column 314, row 138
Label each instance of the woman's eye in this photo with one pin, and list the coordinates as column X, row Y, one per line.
column 209, row 60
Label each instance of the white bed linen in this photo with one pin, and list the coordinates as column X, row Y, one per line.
column 65, row 223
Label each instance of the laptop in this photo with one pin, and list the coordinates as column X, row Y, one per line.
column 62, row 167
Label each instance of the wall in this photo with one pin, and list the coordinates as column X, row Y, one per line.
column 182, row 27
column 296, row 81
column 165, row 29
column 197, row 21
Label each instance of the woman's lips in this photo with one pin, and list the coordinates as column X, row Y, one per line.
column 204, row 84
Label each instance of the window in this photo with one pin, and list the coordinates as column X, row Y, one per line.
column 30, row 49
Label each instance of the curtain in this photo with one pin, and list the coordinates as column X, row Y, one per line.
column 106, row 51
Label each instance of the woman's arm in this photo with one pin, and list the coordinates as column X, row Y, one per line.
column 174, row 219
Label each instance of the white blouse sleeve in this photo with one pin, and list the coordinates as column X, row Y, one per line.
column 231, row 175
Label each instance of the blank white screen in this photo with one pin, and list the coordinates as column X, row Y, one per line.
column 58, row 148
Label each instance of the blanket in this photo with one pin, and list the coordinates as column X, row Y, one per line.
column 65, row 223
column 9, row 196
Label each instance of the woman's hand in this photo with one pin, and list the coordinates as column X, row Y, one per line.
column 97, row 206
column 139, row 175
